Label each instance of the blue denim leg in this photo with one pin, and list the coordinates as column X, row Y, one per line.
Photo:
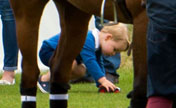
column 161, row 63
column 112, row 63
column 9, row 36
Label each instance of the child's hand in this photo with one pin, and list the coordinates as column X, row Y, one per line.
column 107, row 84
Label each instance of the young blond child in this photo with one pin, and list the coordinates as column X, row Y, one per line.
column 109, row 41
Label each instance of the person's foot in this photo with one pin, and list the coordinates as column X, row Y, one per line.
column 8, row 78
column 43, row 85
column 113, row 78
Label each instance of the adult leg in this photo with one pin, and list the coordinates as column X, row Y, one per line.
column 161, row 68
column 159, row 102
column 111, row 64
column 9, row 43
column 74, row 26
column 27, row 14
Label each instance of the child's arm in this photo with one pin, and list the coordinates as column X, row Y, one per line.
column 89, row 59
column 103, row 81
column 95, row 68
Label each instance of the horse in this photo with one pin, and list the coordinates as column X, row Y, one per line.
column 74, row 18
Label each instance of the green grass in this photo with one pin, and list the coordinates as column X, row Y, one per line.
column 82, row 95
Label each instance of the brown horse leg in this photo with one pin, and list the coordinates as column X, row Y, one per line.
column 74, row 26
column 27, row 14
column 138, row 95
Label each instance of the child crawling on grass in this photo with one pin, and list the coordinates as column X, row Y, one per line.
column 109, row 41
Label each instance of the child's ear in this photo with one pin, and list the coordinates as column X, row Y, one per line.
column 108, row 36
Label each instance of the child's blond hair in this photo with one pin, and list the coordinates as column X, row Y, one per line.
column 119, row 32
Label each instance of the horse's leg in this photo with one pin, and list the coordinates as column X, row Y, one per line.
column 74, row 26
column 27, row 14
column 138, row 95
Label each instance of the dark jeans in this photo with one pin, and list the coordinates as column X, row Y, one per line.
column 112, row 63
column 9, row 36
column 163, row 14
column 161, row 63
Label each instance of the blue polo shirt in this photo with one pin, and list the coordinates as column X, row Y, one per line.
column 90, row 54
column 162, row 14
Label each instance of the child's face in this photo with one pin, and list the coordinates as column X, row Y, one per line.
column 109, row 47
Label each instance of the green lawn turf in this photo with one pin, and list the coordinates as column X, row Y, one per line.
column 83, row 95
